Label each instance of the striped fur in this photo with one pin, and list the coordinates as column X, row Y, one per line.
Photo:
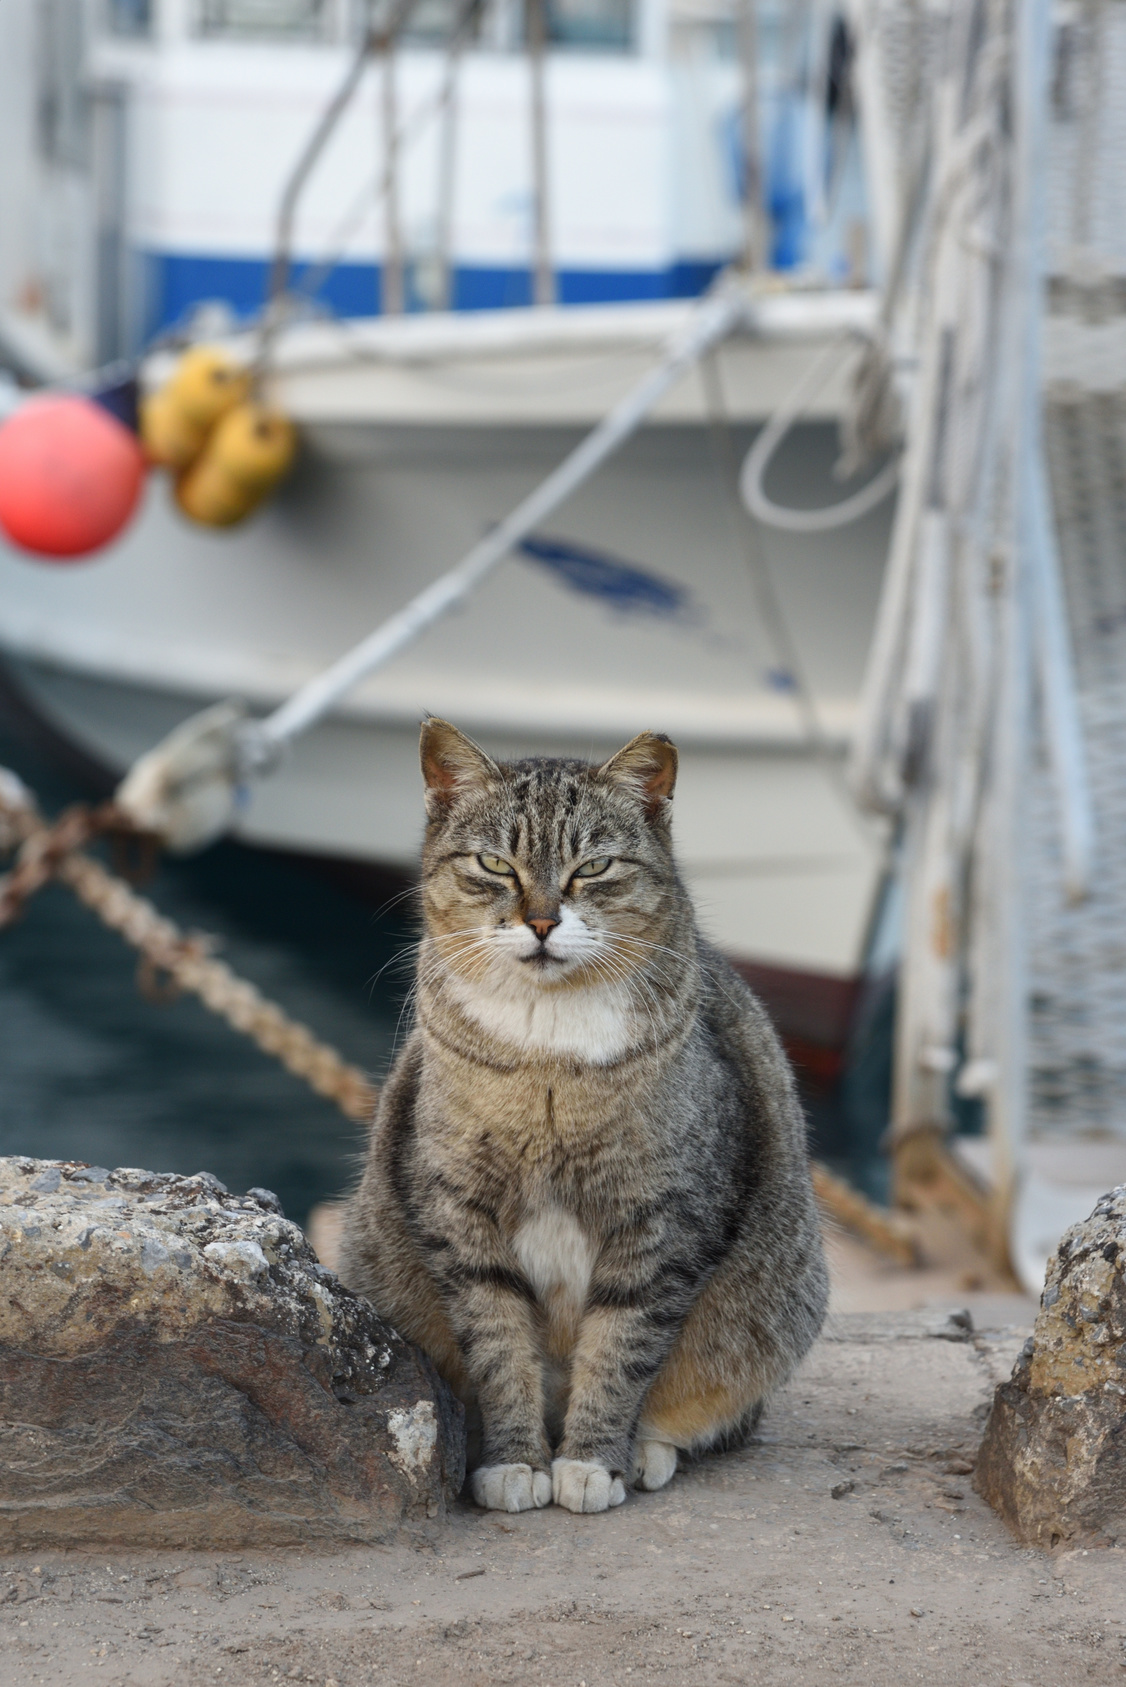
column 587, row 1192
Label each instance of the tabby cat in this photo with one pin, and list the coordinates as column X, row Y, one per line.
column 587, row 1191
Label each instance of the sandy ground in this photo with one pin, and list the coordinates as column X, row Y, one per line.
column 846, row 1544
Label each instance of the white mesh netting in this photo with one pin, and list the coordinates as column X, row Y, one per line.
column 1078, row 953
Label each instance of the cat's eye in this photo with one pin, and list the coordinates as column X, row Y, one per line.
column 495, row 864
column 591, row 869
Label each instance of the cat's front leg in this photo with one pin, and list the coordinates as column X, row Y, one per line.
column 490, row 1306
column 626, row 1335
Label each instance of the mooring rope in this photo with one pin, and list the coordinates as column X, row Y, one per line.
column 173, row 961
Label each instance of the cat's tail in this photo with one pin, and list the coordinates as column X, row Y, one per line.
column 729, row 1437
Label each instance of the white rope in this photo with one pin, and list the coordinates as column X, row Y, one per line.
column 759, row 457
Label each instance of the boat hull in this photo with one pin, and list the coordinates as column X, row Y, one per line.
column 644, row 603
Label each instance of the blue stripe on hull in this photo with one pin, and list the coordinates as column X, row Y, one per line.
column 175, row 282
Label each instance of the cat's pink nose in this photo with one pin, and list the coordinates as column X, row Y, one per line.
column 542, row 927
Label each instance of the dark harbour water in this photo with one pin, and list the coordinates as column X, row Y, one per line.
column 91, row 1070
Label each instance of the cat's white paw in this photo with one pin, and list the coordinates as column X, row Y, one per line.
column 582, row 1486
column 654, row 1464
column 510, row 1487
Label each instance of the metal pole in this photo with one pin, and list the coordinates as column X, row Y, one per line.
column 756, row 223
column 109, row 104
column 543, row 276
column 1008, row 1112
column 392, row 291
column 886, row 176
column 1052, row 645
column 446, row 180
column 447, row 162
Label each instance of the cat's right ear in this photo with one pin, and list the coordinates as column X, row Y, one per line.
column 647, row 767
column 451, row 762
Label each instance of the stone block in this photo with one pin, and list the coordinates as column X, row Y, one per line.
column 1053, row 1458
column 177, row 1369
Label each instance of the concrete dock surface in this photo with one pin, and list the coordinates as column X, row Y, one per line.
column 845, row 1544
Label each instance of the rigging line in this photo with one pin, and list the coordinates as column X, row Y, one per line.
column 368, row 199
column 372, row 40
column 294, row 187
column 760, row 575
column 371, row 194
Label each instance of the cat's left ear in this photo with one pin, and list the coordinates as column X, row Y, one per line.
column 647, row 767
column 451, row 762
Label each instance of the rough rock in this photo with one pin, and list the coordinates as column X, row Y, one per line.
column 176, row 1368
column 1053, row 1459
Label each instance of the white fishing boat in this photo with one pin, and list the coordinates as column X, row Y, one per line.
column 647, row 600
column 636, row 607
column 535, row 492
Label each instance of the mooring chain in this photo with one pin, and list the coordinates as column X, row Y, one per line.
column 170, row 959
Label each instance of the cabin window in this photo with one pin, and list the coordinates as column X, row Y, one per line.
column 266, row 19
column 605, row 26
column 601, row 25
column 591, row 25
column 129, row 18
column 431, row 21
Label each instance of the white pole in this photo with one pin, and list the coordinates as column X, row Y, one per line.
column 1052, row 648
column 756, row 219
column 1055, row 672
column 393, row 290
column 543, row 275
column 1009, row 1101
column 883, row 182
column 447, row 174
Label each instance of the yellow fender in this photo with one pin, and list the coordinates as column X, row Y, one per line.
column 205, row 384
column 245, row 456
column 169, row 438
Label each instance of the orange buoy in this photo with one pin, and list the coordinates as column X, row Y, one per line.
column 245, row 456
column 70, row 476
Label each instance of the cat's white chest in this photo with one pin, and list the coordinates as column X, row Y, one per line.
column 589, row 1024
column 555, row 1255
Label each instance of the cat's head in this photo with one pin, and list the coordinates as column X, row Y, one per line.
column 548, row 873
